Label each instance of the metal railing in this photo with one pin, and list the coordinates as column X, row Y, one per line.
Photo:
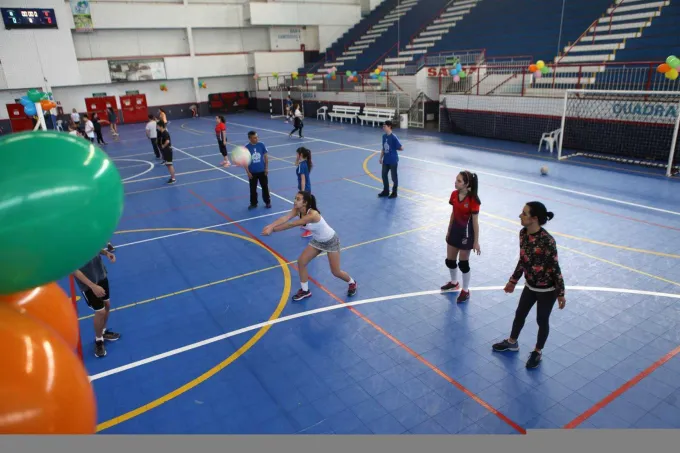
column 341, row 83
column 466, row 57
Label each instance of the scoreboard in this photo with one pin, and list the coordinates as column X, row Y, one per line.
column 30, row 18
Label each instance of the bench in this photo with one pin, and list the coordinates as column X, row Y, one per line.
column 376, row 115
column 344, row 111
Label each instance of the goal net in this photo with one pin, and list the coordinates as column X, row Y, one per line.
column 631, row 127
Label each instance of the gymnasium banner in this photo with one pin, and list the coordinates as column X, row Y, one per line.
column 137, row 70
column 81, row 15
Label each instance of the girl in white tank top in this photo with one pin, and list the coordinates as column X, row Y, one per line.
column 324, row 239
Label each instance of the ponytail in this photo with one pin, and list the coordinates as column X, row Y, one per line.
column 310, row 200
column 538, row 210
column 306, row 155
column 471, row 180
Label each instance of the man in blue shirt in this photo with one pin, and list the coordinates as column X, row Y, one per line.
column 389, row 160
column 258, row 170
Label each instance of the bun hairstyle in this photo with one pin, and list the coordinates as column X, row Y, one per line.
column 471, row 180
column 538, row 210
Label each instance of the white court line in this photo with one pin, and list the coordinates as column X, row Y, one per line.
column 136, row 160
column 200, row 229
column 231, row 174
column 524, row 181
column 303, row 314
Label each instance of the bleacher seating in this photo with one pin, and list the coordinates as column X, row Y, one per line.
column 344, row 112
column 375, row 115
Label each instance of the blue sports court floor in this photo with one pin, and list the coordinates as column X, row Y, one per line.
column 212, row 343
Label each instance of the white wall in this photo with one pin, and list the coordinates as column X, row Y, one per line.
column 30, row 56
column 291, row 38
column 284, row 62
column 226, row 40
column 130, row 43
column 329, row 34
column 141, row 15
column 304, row 14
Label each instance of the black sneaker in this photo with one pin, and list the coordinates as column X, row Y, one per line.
column 252, row 206
column 450, row 286
column 352, row 290
column 109, row 335
column 383, row 194
column 172, row 181
column 110, row 247
column 393, row 195
column 302, row 295
column 534, row 359
column 505, row 345
column 268, row 206
column 99, row 349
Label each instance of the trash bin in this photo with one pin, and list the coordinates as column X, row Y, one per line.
column 403, row 121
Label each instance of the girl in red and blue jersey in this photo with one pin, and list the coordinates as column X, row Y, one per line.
column 463, row 233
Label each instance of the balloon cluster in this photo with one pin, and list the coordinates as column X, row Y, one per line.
column 539, row 69
column 202, row 84
column 330, row 73
column 378, row 74
column 46, row 233
column 310, row 76
column 456, row 70
column 33, row 97
column 670, row 68
column 164, row 87
column 352, row 76
column 294, row 75
column 275, row 75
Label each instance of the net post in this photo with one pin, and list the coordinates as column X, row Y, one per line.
column 671, row 155
column 564, row 118
column 72, row 288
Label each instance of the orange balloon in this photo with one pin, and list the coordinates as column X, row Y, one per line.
column 663, row 68
column 50, row 305
column 44, row 388
column 533, row 68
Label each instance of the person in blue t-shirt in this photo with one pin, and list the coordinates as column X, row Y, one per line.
column 304, row 166
column 389, row 160
column 258, row 170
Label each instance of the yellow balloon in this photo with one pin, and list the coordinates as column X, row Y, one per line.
column 540, row 64
column 672, row 74
column 377, row 71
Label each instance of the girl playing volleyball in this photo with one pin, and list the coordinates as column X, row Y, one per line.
column 324, row 239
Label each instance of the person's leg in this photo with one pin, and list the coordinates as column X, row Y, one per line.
column 451, row 256
column 334, row 263
column 544, row 307
column 386, row 182
column 307, row 255
column 395, row 179
column 526, row 301
column 464, row 266
column 156, row 151
column 300, row 129
column 99, row 321
column 253, row 189
column 264, row 183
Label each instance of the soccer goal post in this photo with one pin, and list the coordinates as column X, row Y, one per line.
column 631, row 127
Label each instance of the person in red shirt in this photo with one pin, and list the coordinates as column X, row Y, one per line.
column 221, row 135
column 463, row 233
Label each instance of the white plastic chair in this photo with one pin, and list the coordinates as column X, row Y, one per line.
column 321, row 113
column 550, row 138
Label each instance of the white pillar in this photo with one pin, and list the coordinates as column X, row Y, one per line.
column 192, row 53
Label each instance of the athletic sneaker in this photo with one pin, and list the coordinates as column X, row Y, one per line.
column 268, row 206
column 352, row 290
column 307, row 234
column 450, row 286
column 110, row 335
column 99, row 349
column 110, row 247
column 534, row 359
column 302, row 295
column 464, row 296
column 383, row 194
column 172, row 181
column 393, row 194
column 505, row 345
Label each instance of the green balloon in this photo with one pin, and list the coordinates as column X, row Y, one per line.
column 670, row 59
column 34, row 95
column 674, row 62
column 545, row 70
column 462, row 74
column 61, row 198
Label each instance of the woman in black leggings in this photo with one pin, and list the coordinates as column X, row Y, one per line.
column 543, row 279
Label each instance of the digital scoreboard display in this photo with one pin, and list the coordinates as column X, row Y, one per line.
column 28, row 18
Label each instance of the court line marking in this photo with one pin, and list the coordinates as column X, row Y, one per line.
column 516, row 223
column 247, row 274
column 621, row 390
column 328, row 308
column 391, row 337
column 150, row 164
column 523, row 181
column 285, row 293
column 235, row 176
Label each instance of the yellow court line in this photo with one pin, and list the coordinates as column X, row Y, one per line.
column 225, row 363
column 255, row 272
column 516, row 223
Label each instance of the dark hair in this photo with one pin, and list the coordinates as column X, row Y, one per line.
column 471, row 180
column 222, row 119
column 251, row 133
column 160, row 124
column 306, row 155
column 388, row 123
column 538, row 209
column 151, row 117
column 310, row 199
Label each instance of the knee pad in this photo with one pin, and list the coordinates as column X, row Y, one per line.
column 451, row 264
column 464, row 266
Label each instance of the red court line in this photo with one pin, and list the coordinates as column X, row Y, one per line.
column 452, row 381
column 534, row 195
column 621, row 390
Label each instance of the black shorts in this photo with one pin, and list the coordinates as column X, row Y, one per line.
column 94, row 302
column 167, row 155
column 461, row 238
column 223, row 147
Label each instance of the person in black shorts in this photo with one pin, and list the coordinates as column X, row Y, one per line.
column 166, row 150
column 93, row 281
column 463, row 232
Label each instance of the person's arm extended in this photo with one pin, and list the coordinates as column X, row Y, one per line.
column 311, row 217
